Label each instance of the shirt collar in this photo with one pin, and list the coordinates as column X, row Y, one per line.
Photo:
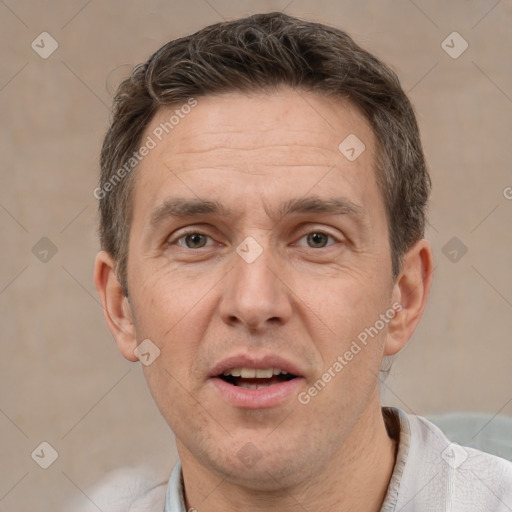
column 399, row 429
column 174, row 501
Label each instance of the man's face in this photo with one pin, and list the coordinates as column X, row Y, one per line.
column 294, row 296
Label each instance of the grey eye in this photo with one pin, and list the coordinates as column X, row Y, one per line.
column 317, row 239
column 193, row 240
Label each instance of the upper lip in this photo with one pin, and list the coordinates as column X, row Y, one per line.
column 248, row 361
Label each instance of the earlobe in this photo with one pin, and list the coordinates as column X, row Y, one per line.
column 116, row 308
column 410, row 291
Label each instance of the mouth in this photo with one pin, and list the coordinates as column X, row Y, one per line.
column 255, row 378
column 248, row 383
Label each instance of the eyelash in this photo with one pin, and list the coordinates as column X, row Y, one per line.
column 195, row 232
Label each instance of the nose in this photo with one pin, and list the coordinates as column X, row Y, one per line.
column 254, row 293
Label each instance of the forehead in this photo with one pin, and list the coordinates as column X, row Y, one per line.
column 259, row 142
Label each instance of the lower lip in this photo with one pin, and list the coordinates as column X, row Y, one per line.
column 262, row 398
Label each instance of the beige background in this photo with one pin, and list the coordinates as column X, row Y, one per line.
column 63, row 380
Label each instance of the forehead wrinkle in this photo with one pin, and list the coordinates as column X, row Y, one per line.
column 309, row 154
column 184, row 162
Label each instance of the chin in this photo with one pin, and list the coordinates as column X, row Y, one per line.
column 272, row 467
column 266, row 475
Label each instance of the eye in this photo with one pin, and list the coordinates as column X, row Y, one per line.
column 317, row 239
column 192, row 240
column 198, row 240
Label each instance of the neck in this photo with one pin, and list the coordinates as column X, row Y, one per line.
column 355, row 479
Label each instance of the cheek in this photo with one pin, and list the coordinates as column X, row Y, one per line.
column 169, row 299
column 177, row 402
column 349, row 337
column 172, row 377
column 348, row 305
column 351, row 354
column 174, row 319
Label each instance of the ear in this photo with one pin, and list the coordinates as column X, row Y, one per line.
column 411, row 291
column 116, row 307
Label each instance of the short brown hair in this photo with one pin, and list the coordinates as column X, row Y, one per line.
column 254, row 54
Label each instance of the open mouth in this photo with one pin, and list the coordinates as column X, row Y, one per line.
column 251, row 378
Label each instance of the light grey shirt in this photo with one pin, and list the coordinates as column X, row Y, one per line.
column 430, row 474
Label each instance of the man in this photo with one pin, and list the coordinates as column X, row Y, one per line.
column 262, row 203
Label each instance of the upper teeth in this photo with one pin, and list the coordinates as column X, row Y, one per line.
column 251, row 373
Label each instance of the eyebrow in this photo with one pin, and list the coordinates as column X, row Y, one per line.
column 181, row 208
